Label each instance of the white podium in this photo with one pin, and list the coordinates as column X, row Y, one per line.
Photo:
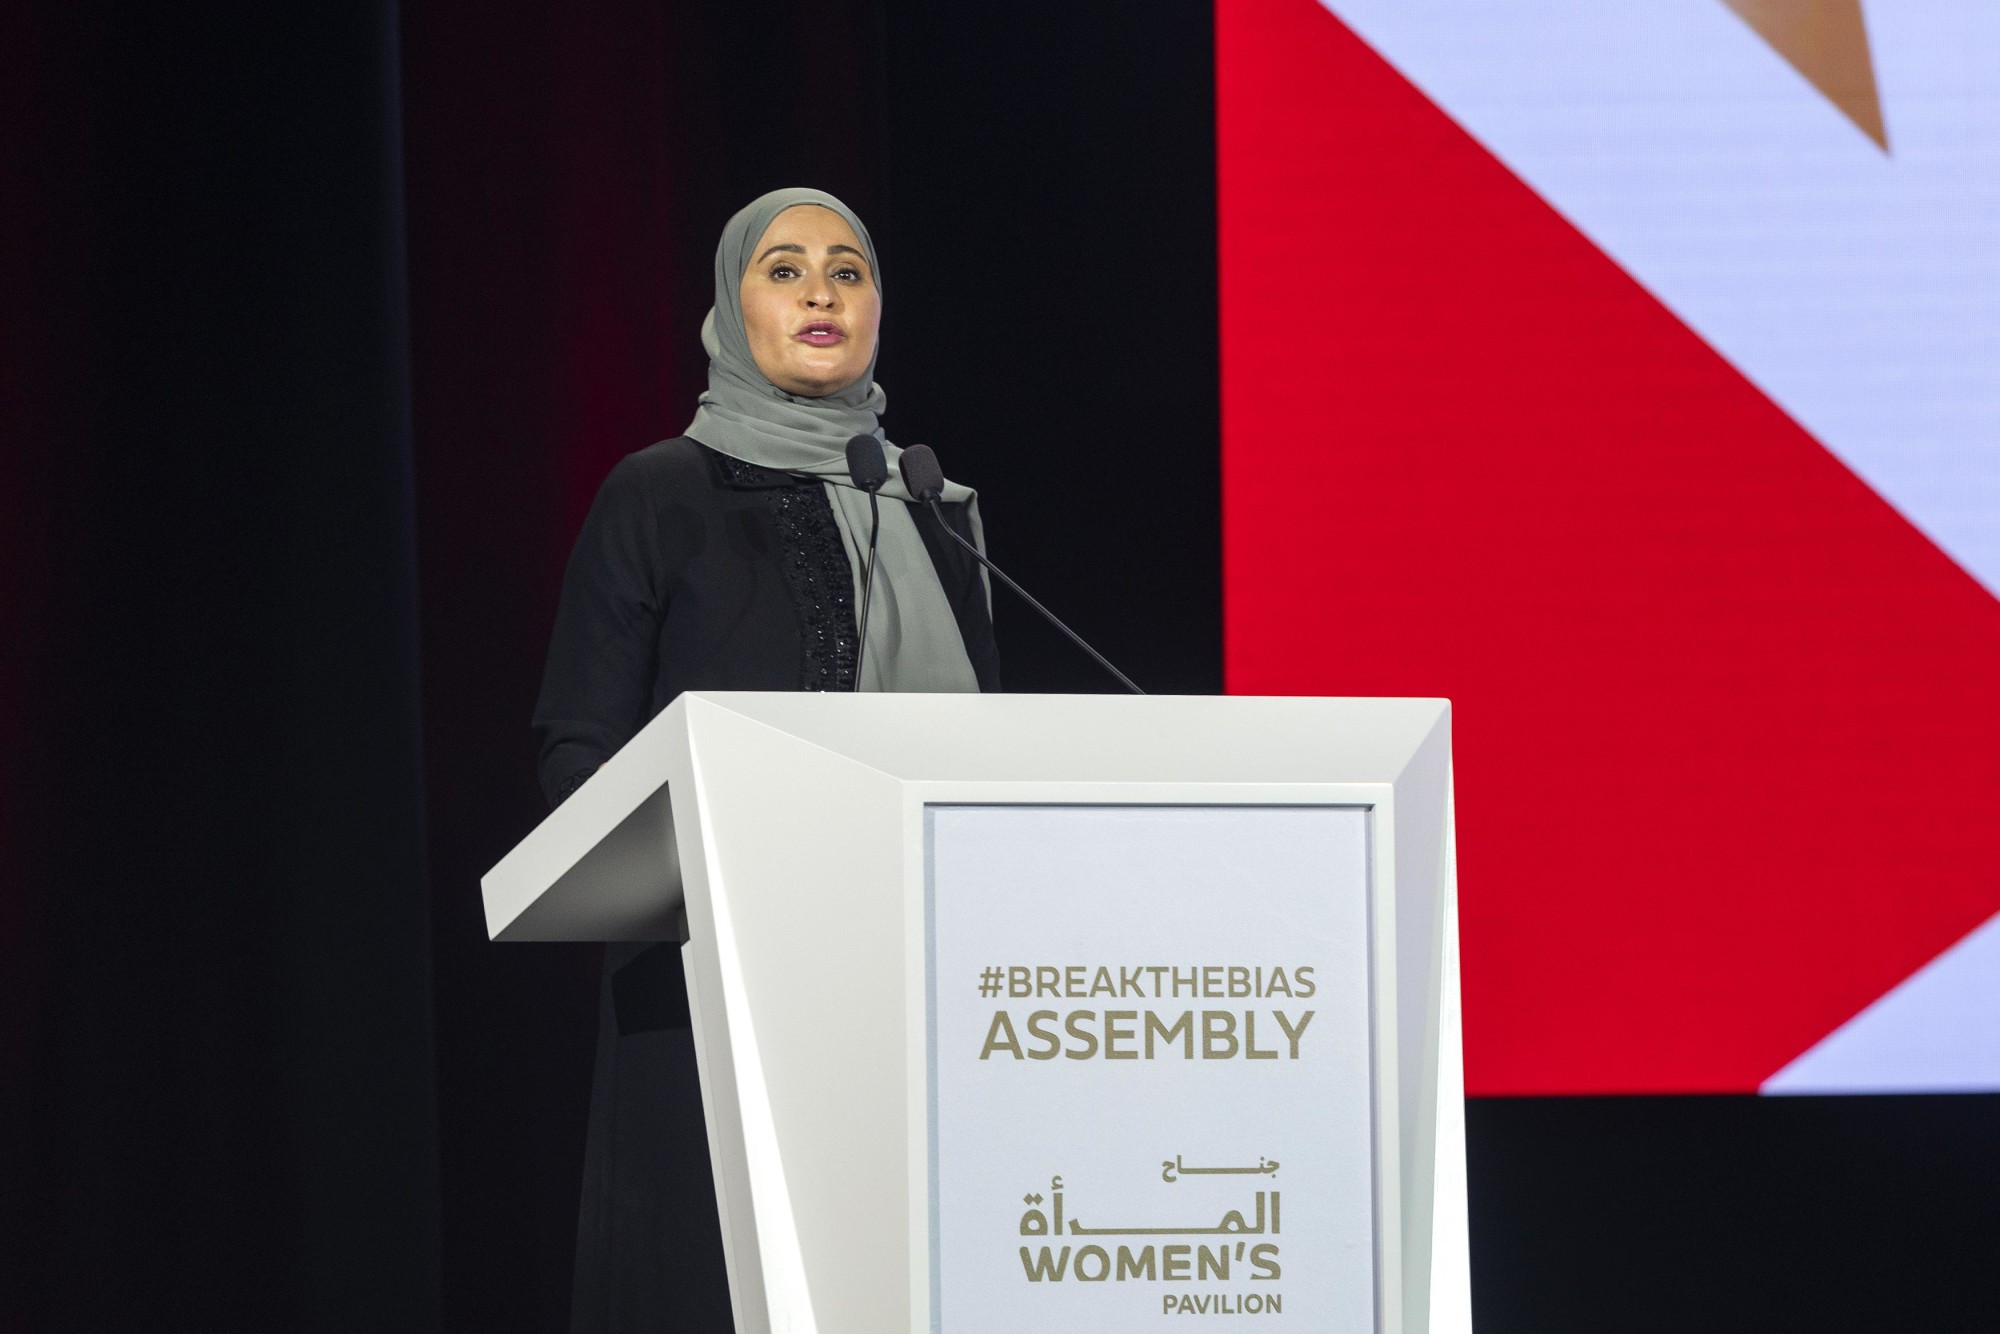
column 1017, row 1011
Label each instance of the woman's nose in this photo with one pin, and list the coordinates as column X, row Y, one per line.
column 821, row 294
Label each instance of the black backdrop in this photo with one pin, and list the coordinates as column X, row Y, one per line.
column 321, row 324
column 219, row 1106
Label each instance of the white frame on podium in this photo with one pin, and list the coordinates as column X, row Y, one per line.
column 784, row 835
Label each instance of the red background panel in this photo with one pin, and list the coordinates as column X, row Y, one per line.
column 1727, row 735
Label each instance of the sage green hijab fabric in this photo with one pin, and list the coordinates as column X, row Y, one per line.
column 913, row 639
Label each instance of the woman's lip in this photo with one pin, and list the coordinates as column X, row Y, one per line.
column 820, row 335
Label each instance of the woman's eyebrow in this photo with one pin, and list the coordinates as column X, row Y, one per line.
column 800, row 250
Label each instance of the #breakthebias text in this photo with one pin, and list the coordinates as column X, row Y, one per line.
column 1146, row 1033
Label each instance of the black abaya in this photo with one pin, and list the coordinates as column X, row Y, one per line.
column 694, row 571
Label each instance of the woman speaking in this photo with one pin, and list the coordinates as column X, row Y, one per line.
column 729, row 559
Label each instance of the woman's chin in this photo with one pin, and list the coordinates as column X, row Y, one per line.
column 808, row 384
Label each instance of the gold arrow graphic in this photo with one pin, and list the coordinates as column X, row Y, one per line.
column 1827, row 42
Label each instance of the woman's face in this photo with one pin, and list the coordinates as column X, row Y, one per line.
column 810, row 306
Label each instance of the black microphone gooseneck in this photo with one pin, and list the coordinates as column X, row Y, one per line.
column 867, row 468
column 925, row 479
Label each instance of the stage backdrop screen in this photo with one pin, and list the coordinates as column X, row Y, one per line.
column 1630, row 375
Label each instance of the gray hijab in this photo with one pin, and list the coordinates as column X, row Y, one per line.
column 913, row 639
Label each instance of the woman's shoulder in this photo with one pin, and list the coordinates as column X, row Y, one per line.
column 681, row 461
column 670, row 476
column 684, row 464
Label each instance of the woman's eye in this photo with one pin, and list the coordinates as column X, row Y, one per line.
column 783, row 271
column 848, row 275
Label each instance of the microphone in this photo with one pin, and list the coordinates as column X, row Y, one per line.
column 867, row 468
column 925, row 479
column 867, row 465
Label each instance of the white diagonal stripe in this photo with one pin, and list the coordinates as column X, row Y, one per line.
column 1937, row 1032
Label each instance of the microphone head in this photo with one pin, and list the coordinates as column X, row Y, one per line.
column 921, row 473
column 867, row 466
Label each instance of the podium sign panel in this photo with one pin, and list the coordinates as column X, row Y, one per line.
column 1150, row 1027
